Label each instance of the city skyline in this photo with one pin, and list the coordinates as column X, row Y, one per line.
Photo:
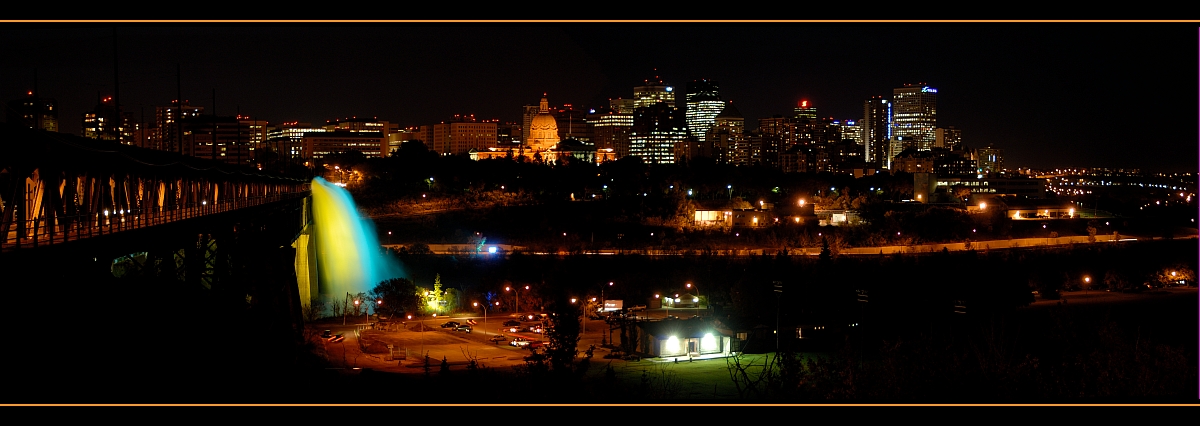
column 1040, row 92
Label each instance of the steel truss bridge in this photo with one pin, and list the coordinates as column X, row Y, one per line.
column 96, row 236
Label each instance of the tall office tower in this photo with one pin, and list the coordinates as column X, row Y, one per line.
column 727, row 137
column 989, row 160
column 527, row 114
column 914, row 114
column 657, row 128
column 805, row 112
column 653, row 92
column 851, row 130
column 356, row 124
column 508, row 133
column 572, row 123
column 610, row 129
column 256, row 131
column 33, row 112
column 876, row 129
column 623, row 106
column 287, row 139
column 703, row 105
column 168, row 125
column 779, row 129
column 461, row 134
column 897, row 145
column 949, row 138
column 105, row 122
column 224, row 139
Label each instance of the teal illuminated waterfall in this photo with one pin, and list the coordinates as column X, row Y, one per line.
column 349, row 258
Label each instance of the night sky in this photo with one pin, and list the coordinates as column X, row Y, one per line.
column 1121, row 95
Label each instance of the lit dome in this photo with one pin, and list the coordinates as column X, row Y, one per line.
column 543, row 129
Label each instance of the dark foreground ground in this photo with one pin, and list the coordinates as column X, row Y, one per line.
column 1146, row 343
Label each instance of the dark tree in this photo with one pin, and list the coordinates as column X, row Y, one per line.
column 398, row 295
column 563, row 335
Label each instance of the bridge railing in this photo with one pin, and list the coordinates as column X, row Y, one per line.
column 77, row 227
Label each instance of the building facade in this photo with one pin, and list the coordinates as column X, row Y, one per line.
column 656, row 130
column 914, row 114
column 34, row 112
column 703, row 104
column 168, row 127
column 876, row 129
column 460, row 135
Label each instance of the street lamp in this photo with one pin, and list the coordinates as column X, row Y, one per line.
column 1087, row 281
column 730, row 188
column 697, row 301
column 484, row 314
column 356, row 306
column 582, row 319
column 602, row 299
column 516, row 297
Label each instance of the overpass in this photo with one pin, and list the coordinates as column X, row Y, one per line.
column 96, row 236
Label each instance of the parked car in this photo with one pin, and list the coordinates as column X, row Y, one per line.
column 463, row 327
column 512, row 323
column 519, row 342
column 498, row 338
column 326, row 334
column 451, row 324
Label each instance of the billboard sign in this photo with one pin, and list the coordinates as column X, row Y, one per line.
column 613, row 305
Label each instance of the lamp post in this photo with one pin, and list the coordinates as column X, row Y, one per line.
column 730, row 188
column 582, row 319
column 516, row 298
column 1087, row 281
column 690, row 286
column 344, row 310
column 356, row 306
column 602, row 299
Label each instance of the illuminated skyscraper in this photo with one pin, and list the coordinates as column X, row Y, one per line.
column 914, row 114
column 168, row 125
column 106, row 122
column 989, row 160
column 33, row 112
column 460, row 135
column 805, row 111
column 728, row 138
column 653, row 92
column 657, row 128
column 950, row 138
column 610, row 128
column 703, row 105
column 876, row 129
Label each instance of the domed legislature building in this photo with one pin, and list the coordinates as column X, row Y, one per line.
column 543, row 145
